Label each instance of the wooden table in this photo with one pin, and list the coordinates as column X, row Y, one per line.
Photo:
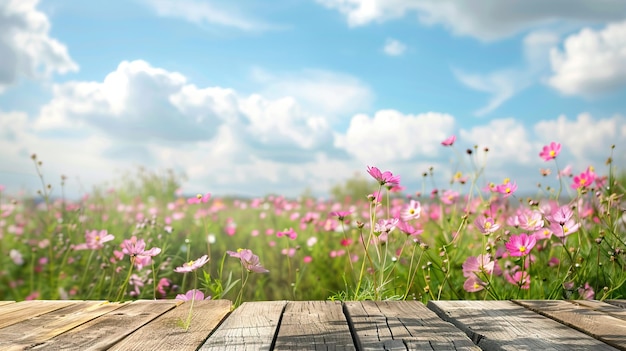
column 314, row 325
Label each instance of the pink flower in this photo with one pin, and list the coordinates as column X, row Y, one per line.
column 585, row 179
column 561, row 215
column 341, row 215
column 562, row 230
column 193, row 294
column 163, row 283
column 449, row 141
column 290, row 233
column 473, row 284
column 586, row 292
column 519, row 278
column 449, row 197
column 249, row 260
column 383, row 178
column 412, row 211
column 137, row 248
column 192, row 265
column 486, row 225
column 565, row 172
column 94, row 240
column 408, row 229
column 385, row 225
column 520, row 245
column 478, row 264
column 506, row 188
column 530, row 220
column 199, row 199
column 551, row 151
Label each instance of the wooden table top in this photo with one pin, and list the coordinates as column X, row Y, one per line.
column 314, row 325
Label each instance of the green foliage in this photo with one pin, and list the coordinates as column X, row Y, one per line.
column 353, row 189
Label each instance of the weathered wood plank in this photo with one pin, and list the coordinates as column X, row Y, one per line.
column 314, row 325
column 165, row 332
column 594, row 323
column 503, row 325
column 46, row 326
column 106, row 330
column 6, row 302
column 402, row 325
column 16, row 312
column 619, row 303
column 603, row 307
column 251, row 326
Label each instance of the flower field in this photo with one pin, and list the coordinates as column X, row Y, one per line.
column 471, row 240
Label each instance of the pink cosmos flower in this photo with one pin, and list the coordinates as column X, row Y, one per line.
column 249, row 260
column 385, row 225
column 411, row 211
column 137, row 248
column 473, row 284
column 192, row 265
column 193, row 294
column 519, row 278
column 162, row 285
column 551, row 151
column 561, row 215
column 520, row 245
column 562, row 230
column 408, row 229
column 341, row 215
column 565, row 172
column 94, row 240
column 449, row 197
column 290, row 233
column 198, row 199
column 478, row 264
column 486, row 225
column 449, row 141
column 383, row 178
column 506, row 188
column 586, row 292
column 585, row 179
column 530, row 220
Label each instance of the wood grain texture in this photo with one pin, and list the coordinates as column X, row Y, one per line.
column 40, row 328
column 403, row 325
column 251, row 326
column 6, row 302
column 504, row 325
column 20, row 311
column 314, row 325
column 618, row 303
column 580, row 316
column 165, row 333
column 106, row 330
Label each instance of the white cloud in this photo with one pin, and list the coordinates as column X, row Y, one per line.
column 320, row 91
column 208, row 12
column 486, row 20
column 26, row 49
column 592, row 62
column 391, row 136
column 394, row 47
column 586, row 138
column 507, row 140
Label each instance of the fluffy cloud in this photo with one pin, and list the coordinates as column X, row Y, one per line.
column 586, row 138
column 507, row 140
column 208, row 12
column 391, row 136
column 394, row 47
column 592, row 62
column 488, row 20
column 26, row 48
column 323, row 92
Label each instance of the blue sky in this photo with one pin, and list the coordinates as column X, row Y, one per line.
column 255, row 97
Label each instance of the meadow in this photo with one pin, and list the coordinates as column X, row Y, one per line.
column 144, row 239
